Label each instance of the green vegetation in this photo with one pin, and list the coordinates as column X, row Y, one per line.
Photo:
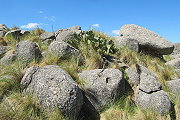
column 93, row 46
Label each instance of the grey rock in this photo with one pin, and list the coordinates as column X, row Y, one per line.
column 174, row 86
column 128, row 42
column 47, row 36
column 2, row 33
column 133, row 76
column 174, row 63
column 8, row 59
column 28, row 51
column 53, row 87
column 3, row 49
column 158, row 101
column 103, row 86
column 67, row 35
column 177, row 70
column 176, row 49
column 148, row 81
column 3, row 27
column 75, row 28
column 14, row 33
column 62, row 49
column 147, row 39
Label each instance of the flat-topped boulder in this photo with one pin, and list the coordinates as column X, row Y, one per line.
column 148, row 40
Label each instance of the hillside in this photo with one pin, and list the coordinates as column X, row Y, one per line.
column 71, row 74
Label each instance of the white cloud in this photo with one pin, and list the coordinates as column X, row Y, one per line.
column 115, row 32
column 95, row 25
column 52, row 18
column 41, row 12
column 30, row 25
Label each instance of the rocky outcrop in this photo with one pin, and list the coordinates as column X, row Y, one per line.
column 150, row 94
column 148, row 40
column 3, row 30
column 67, row 34
column 62, row 49
column 174, row 63
column 174, row 86
column 128, row 42
column 103, row 86
column 47, row 37
column 54, row 87
column 27, row 51
column 13, row 33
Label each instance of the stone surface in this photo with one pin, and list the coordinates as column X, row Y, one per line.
column 128, row 42
column 2, row 33
column 103, row 86
column 3, row 49
column 75, row 28
column 133, row 76
column 24, row 32
column 28, row 51
column 62, row 49
column 148, row 40
column 148, row 81
column 174, row 86
column 67, row 35
column 8, row 58
column 174, row 63
column 3, row 27
column 47, row 36
column 54, row 87
column 158, row 101
column 14, row 33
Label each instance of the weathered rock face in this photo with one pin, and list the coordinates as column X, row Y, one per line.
column 27, row 51
column 133, row 76
column 174, row 63
column 3, row 49
column 54, row 87
column 3, row 30
column 24, row 32
column 147, row 39
column 176, row 52
column 174, row 86
column 75, row 28
column 67, row 34
column 62, row 49
column 47, row 36
column 125, row 41
column 9, row 58
column 14, row 33
column 150, row 94
column 103, row 86
column 158, row 101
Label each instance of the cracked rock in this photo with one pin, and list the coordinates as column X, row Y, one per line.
column 102, row 86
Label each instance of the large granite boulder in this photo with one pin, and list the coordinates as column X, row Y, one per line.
column 53, row 87
column 27, row 51
column 62, row 49
column 174, row 86
column 75, row 28
column 121, row 41
column 174, row 63
column 103, row 86
column 158, row 101
column 67, row 34
column 148, row 40
column 47, row 37
column 176, row 51
column 150, row 94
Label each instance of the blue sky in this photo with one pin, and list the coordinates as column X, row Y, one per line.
column 160, row 16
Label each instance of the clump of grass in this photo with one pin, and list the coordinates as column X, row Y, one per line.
column 56, row 115
column 50, row 59
column 2, row 42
